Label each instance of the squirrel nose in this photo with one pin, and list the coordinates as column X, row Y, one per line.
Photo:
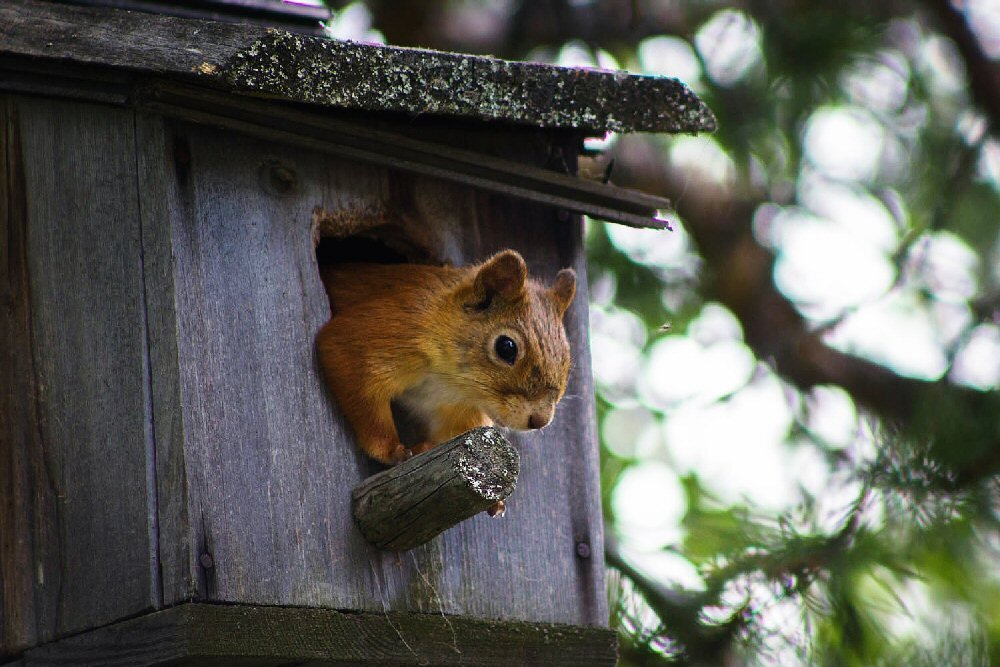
column 537, row 421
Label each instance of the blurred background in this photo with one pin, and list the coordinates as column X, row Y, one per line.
column 797, row 388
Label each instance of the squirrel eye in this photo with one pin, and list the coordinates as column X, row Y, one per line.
column 506, row 349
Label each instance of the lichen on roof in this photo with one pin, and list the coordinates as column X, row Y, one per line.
column 268, row 62
column 418, row 81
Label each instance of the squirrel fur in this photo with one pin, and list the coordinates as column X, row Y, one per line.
column 457, row 347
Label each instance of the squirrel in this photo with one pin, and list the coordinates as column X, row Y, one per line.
column 456, row 347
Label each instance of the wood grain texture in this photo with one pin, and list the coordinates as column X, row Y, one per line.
column 88, row 447
column 200, row 634
column 155, row 166
column 27, row 532
column 300, row 18
column 358, row 140
column 410, row 504
column 262, row 490
column 263, row 462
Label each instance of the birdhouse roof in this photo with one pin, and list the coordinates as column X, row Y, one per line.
column 278, row 64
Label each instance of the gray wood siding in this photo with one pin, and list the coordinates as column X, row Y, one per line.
column 266, row 485
column 92, row 555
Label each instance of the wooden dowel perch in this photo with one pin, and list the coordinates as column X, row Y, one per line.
column 408, row 505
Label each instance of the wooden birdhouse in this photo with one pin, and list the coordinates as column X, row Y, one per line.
column 176, row 478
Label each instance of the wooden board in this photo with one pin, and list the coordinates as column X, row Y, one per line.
column 155, row 165
column 200, row 634
column 250, row 467
column 267, row 461
column 358, row 140
column 304, row 18
column 83, row 439
column 26, row 527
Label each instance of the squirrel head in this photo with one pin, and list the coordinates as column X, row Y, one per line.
column 512, row 352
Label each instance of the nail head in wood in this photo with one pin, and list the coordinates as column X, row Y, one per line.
column 410, row 504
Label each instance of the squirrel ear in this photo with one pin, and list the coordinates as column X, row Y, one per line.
column 563, row 289
column 502, row 276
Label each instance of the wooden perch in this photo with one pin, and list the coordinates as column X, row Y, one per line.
column 408, row 505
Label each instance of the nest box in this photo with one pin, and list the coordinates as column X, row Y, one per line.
column 176, row 480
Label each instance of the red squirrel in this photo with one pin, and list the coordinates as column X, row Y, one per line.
column 456, row 347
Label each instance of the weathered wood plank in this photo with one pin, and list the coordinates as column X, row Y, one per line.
column 412, row 503
column 396, row 150
column 266, row 476
column 88, row 359
column 200, row 634
column 28, row 531
column 89, row 83
column 274, row 13
column 276, row 63
column 156, row 163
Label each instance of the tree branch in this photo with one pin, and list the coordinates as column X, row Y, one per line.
column 741, row 270
column 959, row 423
column 983, row 72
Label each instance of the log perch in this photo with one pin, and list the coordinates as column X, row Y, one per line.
column 410, row 504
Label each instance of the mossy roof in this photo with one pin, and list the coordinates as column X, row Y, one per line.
column 300, row 68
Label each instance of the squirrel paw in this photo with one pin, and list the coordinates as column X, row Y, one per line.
column 399, row 454
column 421, row 447
column 497, row 511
